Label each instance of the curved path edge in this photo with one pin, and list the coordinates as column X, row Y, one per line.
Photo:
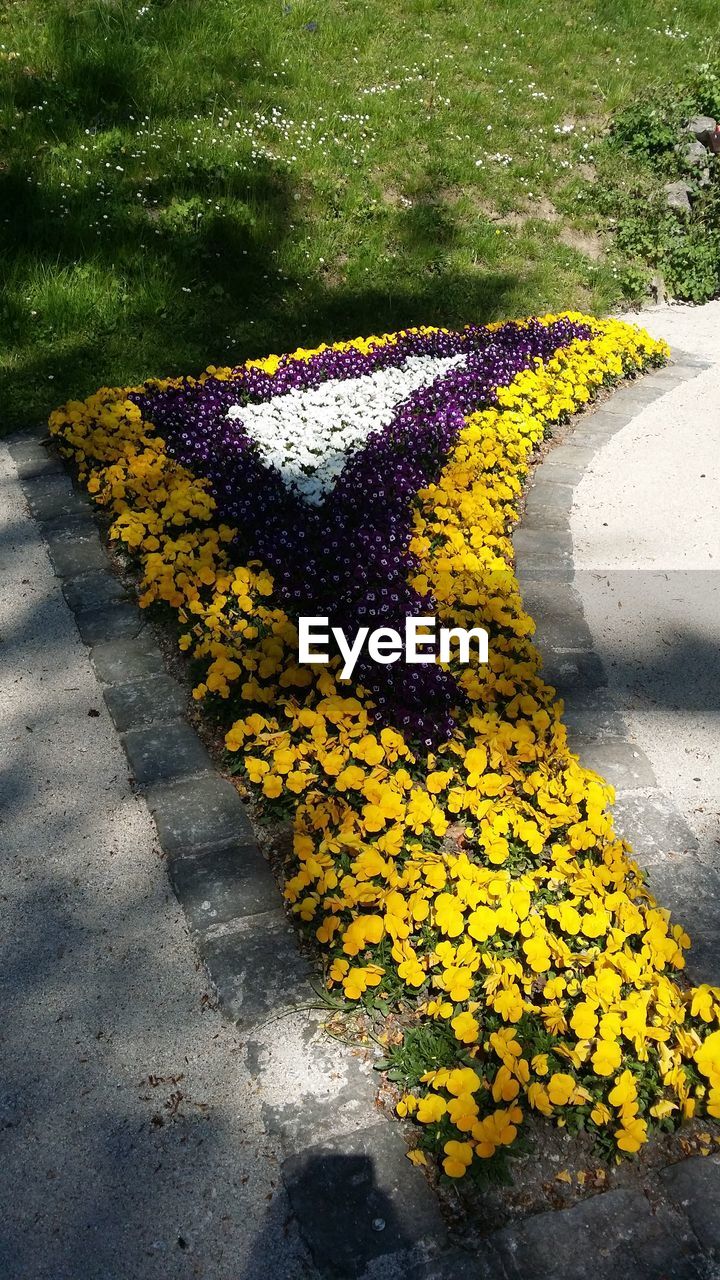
column 663, row 843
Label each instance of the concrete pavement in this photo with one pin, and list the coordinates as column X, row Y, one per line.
column 645, row 526
column 131, row 1137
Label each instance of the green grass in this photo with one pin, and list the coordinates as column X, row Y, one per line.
column 195, row 181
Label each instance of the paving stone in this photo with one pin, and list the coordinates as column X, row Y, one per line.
column 256, row 967
column 51, row 497
column 634, row 396
column 594, row 431
column 558, row 613
column 91, row 590
column 198, row 813
column 564, row 471
column 140, row 701
column 166, row 751
column 65, row 528
column 567, row 672
column 112, row 621
column 653, row 826
column 118, row 661
column 74, row 548
column 620, row 762
column 313, row 1088
column 702, row 963
column 688, row 360
column 535, row 549
column 574, row 458
column 538, row 580
column 694, row 1187
column 547, row 504
column 691, row 891
column 591, row 714
column 609, row 1237
column 672, row 375
column 32, row 458
column 221, row 885
column 358, row 1198
column 460, row 1265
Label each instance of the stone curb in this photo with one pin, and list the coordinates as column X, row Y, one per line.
column 357, row 1199
column 663, row 843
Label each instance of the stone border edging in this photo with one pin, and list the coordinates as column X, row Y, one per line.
column 545, row 568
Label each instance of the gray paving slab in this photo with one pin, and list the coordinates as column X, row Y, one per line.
column 372, row 1205
column 694, row 1187
column 257, row 969
column 198, row 813
column 607, row 1236
column 165, row 751
column 138, row 702
column 218, row 886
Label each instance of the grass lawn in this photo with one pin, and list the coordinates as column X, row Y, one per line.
column 194, row 181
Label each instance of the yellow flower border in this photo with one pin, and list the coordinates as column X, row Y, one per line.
column 482, row 886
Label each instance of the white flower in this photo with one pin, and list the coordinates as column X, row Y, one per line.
column 308, row 435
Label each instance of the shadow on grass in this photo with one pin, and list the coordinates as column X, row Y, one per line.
column 119, row 275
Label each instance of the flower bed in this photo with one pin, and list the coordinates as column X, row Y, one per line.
column 452, row 859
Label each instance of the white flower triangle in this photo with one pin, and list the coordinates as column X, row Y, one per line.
column 309, row 435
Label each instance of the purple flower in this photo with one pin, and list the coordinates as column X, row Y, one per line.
column 348, row 558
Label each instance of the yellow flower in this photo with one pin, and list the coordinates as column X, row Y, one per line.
column 539, row 1099
column 606, row 1058
column 407, row 1106
column 509, row 1003
column 431, row 1108
column 449, row 914
column 661, row 1110
column 359, row 979
column 631, row 1136
column 462, row 1080
column 537, row 953
column 338, row 969
column 505, row 1087
column 703, row 1003
column 707, row 1058
column 624, row 1091
column 458, row 1155
column 466, row 1028
column 560, row 1088
column 584, row 1021
column 437, row 782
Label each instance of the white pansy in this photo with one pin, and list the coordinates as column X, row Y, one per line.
column 308, row 435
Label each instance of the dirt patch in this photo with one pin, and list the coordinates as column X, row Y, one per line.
column 541, row 210
column 588, row 243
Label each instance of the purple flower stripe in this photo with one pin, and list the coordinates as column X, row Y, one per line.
column 254, row 386
column 349, row 558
